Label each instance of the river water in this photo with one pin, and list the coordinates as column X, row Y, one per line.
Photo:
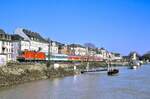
column 128, row 84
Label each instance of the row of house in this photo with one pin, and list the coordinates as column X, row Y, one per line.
column 11, row 45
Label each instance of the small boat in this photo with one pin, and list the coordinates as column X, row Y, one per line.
column 82, row 72
column 110, row 70
column 113, row 72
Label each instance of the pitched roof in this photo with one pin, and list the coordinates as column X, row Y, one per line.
column 58, row 43
column 76, row 45
column 36, row 36
column 17, row 37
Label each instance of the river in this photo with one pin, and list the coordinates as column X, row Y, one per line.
column 128, row 84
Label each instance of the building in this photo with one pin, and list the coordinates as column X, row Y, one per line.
column 102, row 52
column 116, row 56
column 63, row 49
column 92, row 51
column 24, row 39
column 77, row 49
column 54, row 48
column 19, row 45
column 5, row 47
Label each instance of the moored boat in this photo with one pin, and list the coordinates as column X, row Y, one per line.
column 113, row 72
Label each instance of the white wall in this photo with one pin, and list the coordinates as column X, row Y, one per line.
column 15, row 49
column 3, row 60
column 54, row 48
column 8, row 51
column 24, row 45
column 34, row 45
column 79, row 51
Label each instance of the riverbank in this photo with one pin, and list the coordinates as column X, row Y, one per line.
column 14, row 74
column 17, row 74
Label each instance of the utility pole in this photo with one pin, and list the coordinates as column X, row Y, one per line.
column 88, row 63
column 49, row 53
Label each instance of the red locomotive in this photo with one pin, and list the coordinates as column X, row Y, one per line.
column 31, row 55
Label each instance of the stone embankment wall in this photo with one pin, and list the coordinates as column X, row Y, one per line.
column 16, row 74
column 13, row 74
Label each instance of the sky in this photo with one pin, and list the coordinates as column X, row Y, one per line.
column 117, row 25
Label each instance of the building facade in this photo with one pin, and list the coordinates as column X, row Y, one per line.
column 5, row 47
column 77, row 49
column 54, row 48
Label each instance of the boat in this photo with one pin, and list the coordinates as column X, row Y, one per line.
column 113, row 72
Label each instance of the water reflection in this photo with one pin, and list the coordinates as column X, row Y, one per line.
column 128, row 84
column 55, row 82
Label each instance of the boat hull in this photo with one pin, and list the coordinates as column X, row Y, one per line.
column 113, row 72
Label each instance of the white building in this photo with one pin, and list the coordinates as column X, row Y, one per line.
column 117, row 56
column 19, row 45
column 36, row 42
column 54, row 47
column 103, row 53
column 77, row 49
column 5, row 48
column 24, row 39
column 27, row 40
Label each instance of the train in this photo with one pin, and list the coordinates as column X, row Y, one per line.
column 41, row 56
column 31, row 56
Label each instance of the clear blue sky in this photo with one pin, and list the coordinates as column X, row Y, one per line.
column 118, row 25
